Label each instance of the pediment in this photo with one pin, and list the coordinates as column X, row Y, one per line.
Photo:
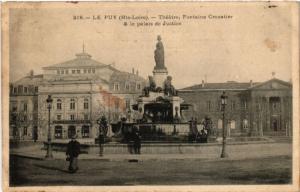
column 272, row 84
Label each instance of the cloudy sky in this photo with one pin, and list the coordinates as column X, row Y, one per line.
column 251, row 45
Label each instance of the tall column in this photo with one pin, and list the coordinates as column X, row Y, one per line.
column 282, row 115
column 268, row 114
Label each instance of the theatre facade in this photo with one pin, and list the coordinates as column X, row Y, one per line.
column 82, row 90
column 253, row 109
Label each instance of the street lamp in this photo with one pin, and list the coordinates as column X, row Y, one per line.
column 224, row 103
column 49, row 147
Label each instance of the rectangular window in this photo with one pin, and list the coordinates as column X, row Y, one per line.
column 85, row 105
column 138, row 86
column 93, row 70
column 72, row 117
column 15, row 90
column 62, row 72
column 25, row 118
column 127, row 86
column 58, row 132
column 85, row 131
column 78, row 71
column 73, row 71
column 58, row 106
column 86, row 117
column 89, row 70
column 25, row 90
column 67, row 71
column 58, row 117
column 58, row 72
column 84, row 71
column 36, row 89
column 72, row 106
column 116, row 86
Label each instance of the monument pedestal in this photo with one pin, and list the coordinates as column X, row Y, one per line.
column 159, row 76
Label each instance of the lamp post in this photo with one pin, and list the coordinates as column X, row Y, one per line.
column 223, row 103
column 49, row 147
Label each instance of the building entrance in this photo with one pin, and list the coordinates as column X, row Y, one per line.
column 275, row 124
column 71, row 131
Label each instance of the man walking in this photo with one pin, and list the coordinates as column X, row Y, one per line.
column 73, row 151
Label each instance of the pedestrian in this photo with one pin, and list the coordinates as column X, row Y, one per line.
column 137, row 142
column 73, row 151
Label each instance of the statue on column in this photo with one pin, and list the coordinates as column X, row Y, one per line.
column 159, row 55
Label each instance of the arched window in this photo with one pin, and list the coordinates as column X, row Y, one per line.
column 86, row 104
column 58, row 104
column 72, row 104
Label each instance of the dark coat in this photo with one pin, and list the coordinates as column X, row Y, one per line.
column 73, row 149
column 137, row 140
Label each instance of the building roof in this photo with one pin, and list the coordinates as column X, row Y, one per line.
column 121, row 76
column 226, row 85
column 30, row 80
column 81, row 60
column 233, row 85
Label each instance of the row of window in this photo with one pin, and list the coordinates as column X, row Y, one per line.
column 58, row 131
column 76, row 71
column 72, row 104
column 127, row 86
column 209, row 105
column 231, row 124
column 24, row 89
column 72, row 117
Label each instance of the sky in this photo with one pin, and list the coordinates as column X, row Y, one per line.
column 251, row 45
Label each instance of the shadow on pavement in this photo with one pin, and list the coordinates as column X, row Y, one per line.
column 51, row 168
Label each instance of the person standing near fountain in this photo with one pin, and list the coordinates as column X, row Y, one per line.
column 73, row 151
column 137, row 142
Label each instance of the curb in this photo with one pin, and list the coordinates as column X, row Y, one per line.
column 27, row 156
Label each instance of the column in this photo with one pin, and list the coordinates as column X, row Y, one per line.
column 282, row 115
column 268, row 113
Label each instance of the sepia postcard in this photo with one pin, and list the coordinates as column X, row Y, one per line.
column 150, row 96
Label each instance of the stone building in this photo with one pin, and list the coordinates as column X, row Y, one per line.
column 82, row 90
column 253, row 109
column 23, row 106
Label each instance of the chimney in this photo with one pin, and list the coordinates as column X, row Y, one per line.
column 132, row 70
column 251, row 83
column 31, row 73
column 203, row 84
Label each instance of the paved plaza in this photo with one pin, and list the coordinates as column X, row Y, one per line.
column 262, row 163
